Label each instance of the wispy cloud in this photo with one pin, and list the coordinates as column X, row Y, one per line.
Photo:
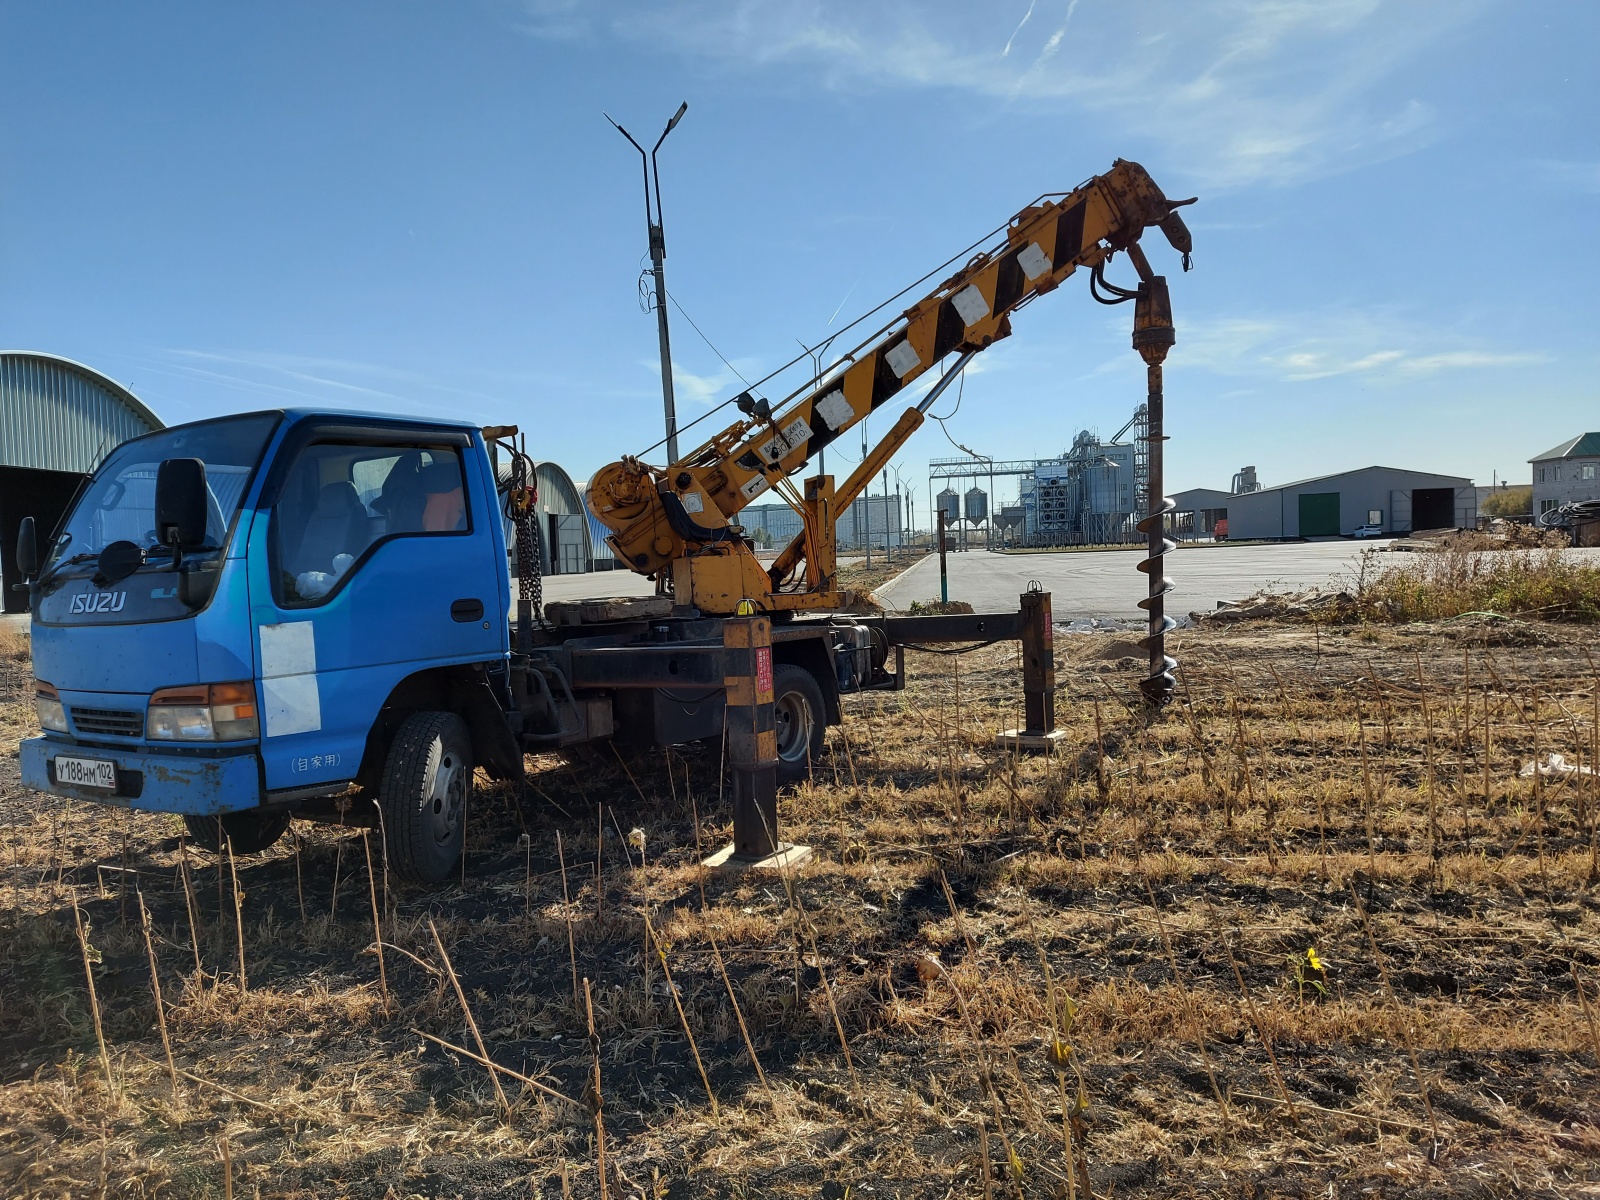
column 1571, row 176
column 1025, row 18
column 1236, row 92
column 700, row 389
column 284, row 377
column 1376, row 347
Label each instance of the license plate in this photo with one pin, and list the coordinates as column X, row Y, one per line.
column 87, row 772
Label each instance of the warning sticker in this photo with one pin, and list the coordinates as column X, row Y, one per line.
column 797, row 433
column 763, row 669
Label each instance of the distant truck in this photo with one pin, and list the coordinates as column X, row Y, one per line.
column 1219, row 531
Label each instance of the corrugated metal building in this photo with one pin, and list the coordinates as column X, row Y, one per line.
column 1197, row 511
column 58, row 420
column 1399, row 501
column 564, row 537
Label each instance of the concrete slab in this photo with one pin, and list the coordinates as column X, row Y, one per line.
column 1021, row 739
column 1105, row 583
column 785, row 858
column 595, row 585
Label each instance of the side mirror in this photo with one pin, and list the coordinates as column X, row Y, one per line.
column 27, row 549
column 181, row 502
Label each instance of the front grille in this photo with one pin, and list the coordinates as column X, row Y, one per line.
column 113, row 721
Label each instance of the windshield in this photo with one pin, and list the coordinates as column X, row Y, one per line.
column 119, row 503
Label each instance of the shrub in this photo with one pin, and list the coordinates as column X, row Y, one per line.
column 1447, row 583
column 1512, row 502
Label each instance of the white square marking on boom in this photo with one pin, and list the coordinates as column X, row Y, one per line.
column 969, row 302
column 903, row 359
column 835, row 410
column 1033, row 260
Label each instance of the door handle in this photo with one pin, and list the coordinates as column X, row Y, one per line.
column 466, row 610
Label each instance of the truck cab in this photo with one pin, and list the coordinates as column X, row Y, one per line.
column 238, row 617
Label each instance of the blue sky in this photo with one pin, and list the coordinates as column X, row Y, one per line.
column 417, row 207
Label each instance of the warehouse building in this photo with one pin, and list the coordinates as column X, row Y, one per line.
column 565, row 545
column 58, row 420
column 1398, row 501
column 1567, row 473
column 1197, row 511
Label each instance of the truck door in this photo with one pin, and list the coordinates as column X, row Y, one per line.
column 374, row 560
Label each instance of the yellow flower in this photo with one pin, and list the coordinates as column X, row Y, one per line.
column 1312, row 959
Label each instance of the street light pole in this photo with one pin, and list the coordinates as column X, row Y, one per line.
column 658, row 255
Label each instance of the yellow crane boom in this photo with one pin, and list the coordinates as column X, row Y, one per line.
column 677, row 523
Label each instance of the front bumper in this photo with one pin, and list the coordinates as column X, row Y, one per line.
column 192, row 784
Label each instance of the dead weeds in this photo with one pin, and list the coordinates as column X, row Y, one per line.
column 1031, row 961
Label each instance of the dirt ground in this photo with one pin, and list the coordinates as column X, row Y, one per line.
column 994, row 975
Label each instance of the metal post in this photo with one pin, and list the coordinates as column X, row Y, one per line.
column 752, row 749
column 944, row 567
column 1038, row 677
column 752, row 741
column 658, row 254
column 888, row 556
column 1038, row 664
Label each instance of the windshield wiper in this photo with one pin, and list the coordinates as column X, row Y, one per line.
column 85, row 556
column 175, row 561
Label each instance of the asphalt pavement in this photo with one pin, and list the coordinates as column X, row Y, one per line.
column 1106, row 583
column 1085, row 583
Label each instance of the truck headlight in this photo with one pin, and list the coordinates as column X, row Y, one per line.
column 216, row 712
column 47, row 704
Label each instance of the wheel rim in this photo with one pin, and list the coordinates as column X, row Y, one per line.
column 448, row 798
column 793, row 721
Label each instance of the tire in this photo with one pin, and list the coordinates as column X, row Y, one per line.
column 800, row 721
column 424, row 795
column 250, row 832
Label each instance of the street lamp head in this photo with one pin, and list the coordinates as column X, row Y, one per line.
column 671, row 125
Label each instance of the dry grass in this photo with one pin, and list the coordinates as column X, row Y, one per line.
column 1298, row 765
column 13, row 643
column 1462, row 579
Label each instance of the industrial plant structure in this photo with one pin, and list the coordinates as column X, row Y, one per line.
column 1093, row 494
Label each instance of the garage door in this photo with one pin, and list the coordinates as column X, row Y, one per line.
column 1319, row 514
column 1433, row 508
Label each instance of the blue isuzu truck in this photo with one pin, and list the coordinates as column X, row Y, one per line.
column 262, row 617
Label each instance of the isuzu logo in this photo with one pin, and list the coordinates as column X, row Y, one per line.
column 103, row 602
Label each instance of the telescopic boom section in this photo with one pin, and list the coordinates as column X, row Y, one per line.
column 676, row 522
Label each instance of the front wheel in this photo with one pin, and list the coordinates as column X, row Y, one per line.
column 248, row 832
column 426, row 787
column 799, row 720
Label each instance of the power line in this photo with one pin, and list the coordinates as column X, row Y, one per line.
column 705, row 339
